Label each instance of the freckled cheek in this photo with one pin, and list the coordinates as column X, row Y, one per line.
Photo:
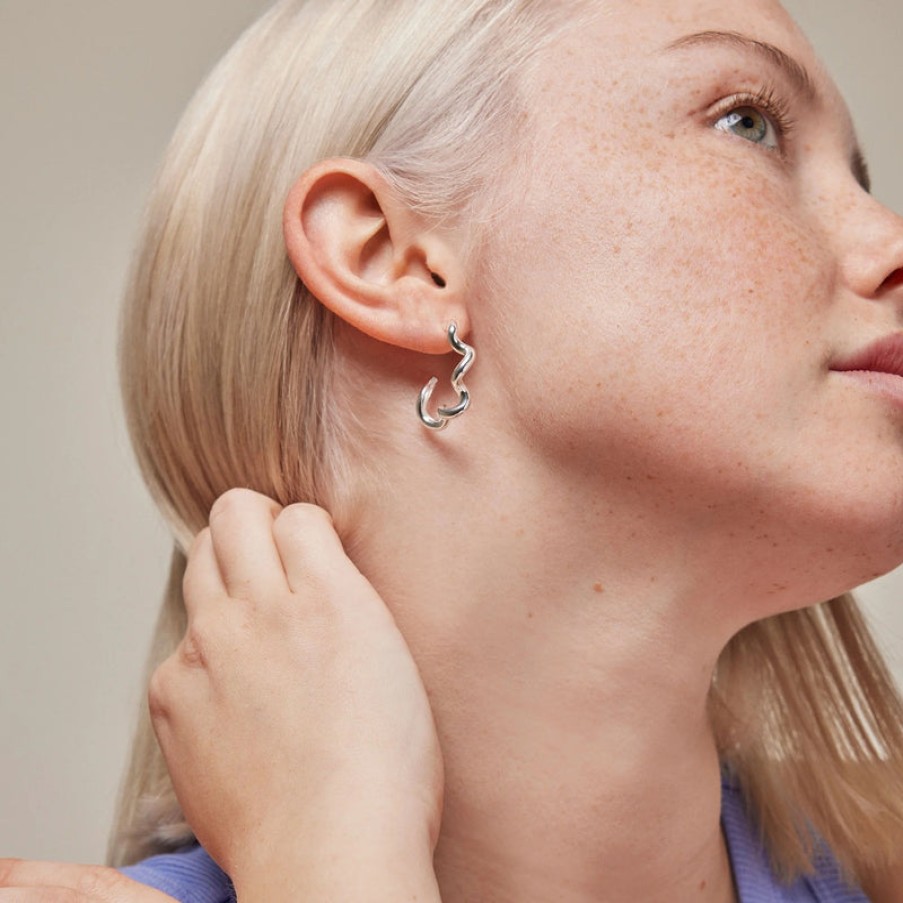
column 718, row 247
column 666, row 261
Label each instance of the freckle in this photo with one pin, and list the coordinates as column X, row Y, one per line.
column 598, row 588
column 519, row 531
column 649, row 476
column 529, row 614
column 653, row 579
column 829, row 550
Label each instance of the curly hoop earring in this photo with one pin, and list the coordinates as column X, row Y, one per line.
column 446, row 414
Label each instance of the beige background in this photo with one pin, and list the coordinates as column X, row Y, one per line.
column 89, row 94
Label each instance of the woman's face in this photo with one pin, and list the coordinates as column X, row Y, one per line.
column 691, row 253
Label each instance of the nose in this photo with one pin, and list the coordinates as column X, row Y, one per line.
column 871, row 249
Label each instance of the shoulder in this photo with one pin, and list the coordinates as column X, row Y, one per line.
column 756, row 881
column 189, row 875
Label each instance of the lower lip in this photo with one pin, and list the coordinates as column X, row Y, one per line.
column 888, row 385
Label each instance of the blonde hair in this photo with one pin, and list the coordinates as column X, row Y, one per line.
column 226, row 366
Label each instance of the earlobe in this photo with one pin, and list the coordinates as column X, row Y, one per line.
column 372, row 260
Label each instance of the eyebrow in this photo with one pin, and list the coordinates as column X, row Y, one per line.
column 795, row 72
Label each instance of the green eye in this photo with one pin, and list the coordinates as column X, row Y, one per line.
column 751, row 124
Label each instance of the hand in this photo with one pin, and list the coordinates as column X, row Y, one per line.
column 292, row 716
column 22, row 881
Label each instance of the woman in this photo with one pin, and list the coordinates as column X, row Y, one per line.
column 651, row 222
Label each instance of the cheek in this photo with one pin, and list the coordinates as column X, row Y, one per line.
column 669, row 291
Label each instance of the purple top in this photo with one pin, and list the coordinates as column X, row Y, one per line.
column 753, row 877
column 191, row 876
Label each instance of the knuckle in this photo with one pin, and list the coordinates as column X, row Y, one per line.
column 305, row 515
column 192, row 648
column 308, row 528
column 239, row 498
column 157, row 695
column 231, row 501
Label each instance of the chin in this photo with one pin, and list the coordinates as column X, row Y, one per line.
column 798, row 561
column 848, row 562
column 855, row 528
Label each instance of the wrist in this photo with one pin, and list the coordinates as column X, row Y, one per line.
column 356, row 866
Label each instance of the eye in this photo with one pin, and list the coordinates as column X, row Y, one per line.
column 751, row 124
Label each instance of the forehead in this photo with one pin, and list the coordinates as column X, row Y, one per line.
column 639, row 24
column 624, row 45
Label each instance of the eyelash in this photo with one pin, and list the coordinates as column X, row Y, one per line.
column 767, row 101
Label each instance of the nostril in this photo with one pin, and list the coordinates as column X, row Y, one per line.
column 895, row 280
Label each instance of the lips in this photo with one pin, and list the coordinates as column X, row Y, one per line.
column 883, row 356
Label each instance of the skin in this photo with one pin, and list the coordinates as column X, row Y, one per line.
column 568, row 560
column 657, row 454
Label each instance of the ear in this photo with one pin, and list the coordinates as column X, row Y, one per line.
column 371, row 259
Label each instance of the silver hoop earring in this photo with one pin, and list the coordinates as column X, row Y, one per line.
column 457, row 380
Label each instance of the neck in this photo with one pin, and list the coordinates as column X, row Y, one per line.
column 568, row 674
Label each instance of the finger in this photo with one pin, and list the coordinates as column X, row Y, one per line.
column 43, row 895
column 202, row 584
column 178, row 688
column 308, row 545
column 241, row 526
column 87, row 880
column 79, row 882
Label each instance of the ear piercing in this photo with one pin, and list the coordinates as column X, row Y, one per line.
column 457, row 380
